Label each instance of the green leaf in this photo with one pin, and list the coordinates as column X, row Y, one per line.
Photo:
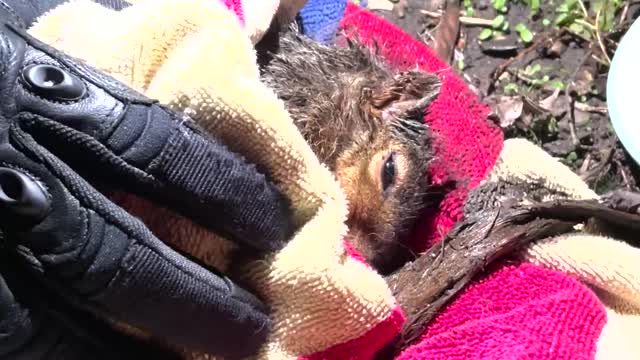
column 567, row 6
column 576, row 28
column 525, row 34
column 534, row 5
column 503, row 10
column 607, row 9
column 557, row 84
column 485, row 34
column 505, row 26
column 497, row 22
column 468, row 8
column 460, row 64
column 531, row 70
column 546, row 22
column 536, row 68
column 572, row 156
column 499, row 4
column 553, row 125
column 511, row 88
column 536, row 82
column 564, row 19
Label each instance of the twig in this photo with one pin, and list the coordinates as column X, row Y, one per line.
column 592, row 109
column 583, row 8
column 598, row 170
column 599, row 37
column 571, row 102
column 472, row 21
column 600, row 61
column 423, row 287
column 572, row 125
column 585, row 23
column 585, row 164
column 627, row 184
column 623, row 16
column 542, row 38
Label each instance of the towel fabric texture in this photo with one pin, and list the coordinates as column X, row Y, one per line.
column 195, row 56
column 559, row 301
column 562, row 300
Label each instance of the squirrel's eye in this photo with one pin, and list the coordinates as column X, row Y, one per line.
column 388, row 172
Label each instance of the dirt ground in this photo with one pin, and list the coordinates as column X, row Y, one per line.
column 542, row 65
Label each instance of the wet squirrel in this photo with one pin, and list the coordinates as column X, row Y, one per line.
column 365, row 122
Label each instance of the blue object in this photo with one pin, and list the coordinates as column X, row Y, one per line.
column 623, row 94
column 319, row 19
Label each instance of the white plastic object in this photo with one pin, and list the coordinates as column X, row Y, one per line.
column 623, row 91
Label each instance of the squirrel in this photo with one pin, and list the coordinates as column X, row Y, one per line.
column 365, row 123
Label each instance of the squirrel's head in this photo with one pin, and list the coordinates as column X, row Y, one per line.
column 365, row 122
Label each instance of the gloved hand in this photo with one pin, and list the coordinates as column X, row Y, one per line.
column 70, row 134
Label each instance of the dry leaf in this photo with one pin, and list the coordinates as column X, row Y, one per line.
column 508, row 109
column 548, row 102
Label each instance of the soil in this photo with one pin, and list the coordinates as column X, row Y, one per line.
column 565, row 112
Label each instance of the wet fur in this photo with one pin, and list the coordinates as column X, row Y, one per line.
column 354, row 111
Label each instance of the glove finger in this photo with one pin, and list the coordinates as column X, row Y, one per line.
column 108, row 132
column 16, row 326
column 95, row 254
column 34, row 330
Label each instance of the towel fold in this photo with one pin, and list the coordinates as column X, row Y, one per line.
column 584, row 297
column 196, row 57
column 557, row 301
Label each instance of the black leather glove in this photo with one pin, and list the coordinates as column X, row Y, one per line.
column 68, row 253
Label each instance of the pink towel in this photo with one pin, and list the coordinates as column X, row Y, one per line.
column 514, row 311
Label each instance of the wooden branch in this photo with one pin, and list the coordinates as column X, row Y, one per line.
column 423, row 287
column 465, row 20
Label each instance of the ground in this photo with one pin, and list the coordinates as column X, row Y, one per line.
column 542, row 66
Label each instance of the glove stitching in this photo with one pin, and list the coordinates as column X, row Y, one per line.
column 30, row 118
column 105, row 130
column 166, row 153
column 128, row 227
column 172, row 145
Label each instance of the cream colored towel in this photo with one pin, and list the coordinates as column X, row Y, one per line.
column 195, row 56
column 609, row 266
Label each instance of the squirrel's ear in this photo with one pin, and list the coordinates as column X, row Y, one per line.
column 407, row 94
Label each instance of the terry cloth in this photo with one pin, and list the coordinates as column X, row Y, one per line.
column 559, row 301
column 194, row 56
column 539, row 307
column 254, row 15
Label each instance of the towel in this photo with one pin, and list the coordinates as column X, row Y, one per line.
column 197, row 57
column 557, row 301
column 569, row 297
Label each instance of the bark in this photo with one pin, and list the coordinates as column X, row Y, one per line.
column 423, row 287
